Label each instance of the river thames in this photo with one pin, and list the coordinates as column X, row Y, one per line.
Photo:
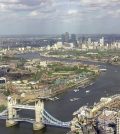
column 107, row 84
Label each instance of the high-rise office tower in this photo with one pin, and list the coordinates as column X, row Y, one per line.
column 65, row 37
column 73, row 38
column 102, row 41
column 89, row 41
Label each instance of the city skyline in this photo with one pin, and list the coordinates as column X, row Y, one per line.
column 57, row 17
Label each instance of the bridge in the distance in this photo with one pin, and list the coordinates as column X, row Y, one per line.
column 42, row 117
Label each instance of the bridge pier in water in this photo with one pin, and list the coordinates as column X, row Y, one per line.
column 39, row 108
column 11, row 113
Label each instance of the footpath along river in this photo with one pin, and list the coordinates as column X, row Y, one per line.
column 107, row 84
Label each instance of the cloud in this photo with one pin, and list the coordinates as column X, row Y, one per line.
column 114, row 13
column 9, row 1
column 34, row 13
column 72, row 11
column 72, row 7
column 57, row 11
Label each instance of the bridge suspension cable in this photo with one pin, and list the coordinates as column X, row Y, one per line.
column 50, row 120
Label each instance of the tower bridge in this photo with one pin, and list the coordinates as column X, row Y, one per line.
column 42, row 117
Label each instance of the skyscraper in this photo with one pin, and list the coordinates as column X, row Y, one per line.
column 65, row 37
column 89, row 41
column 73, row 38
column 102, row 41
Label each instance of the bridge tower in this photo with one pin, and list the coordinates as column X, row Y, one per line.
column 39, row 108
column 11, row 113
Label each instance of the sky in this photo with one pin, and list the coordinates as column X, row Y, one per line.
column 59, row 16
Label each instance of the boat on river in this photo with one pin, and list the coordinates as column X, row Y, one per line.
column 103, row 69
column 74, row 99
column 87, row 91
column 76, row 90
column 53, row 99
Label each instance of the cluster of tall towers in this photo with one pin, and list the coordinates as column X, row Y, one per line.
column 66, row 37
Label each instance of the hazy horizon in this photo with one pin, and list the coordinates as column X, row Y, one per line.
column 58, row 34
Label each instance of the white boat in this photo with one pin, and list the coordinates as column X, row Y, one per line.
column 76, row 90
column 52, row 99
column 91, row 84
column 74, row 99
column 56, row 98
column 103, row 69
column 87, row 91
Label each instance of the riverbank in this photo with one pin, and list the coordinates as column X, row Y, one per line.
column 50, row 78
column 30, row 98
column 82, row 59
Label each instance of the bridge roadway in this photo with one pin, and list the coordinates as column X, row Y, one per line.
column 19, row 119
column 28, row 107
column 4, row 112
